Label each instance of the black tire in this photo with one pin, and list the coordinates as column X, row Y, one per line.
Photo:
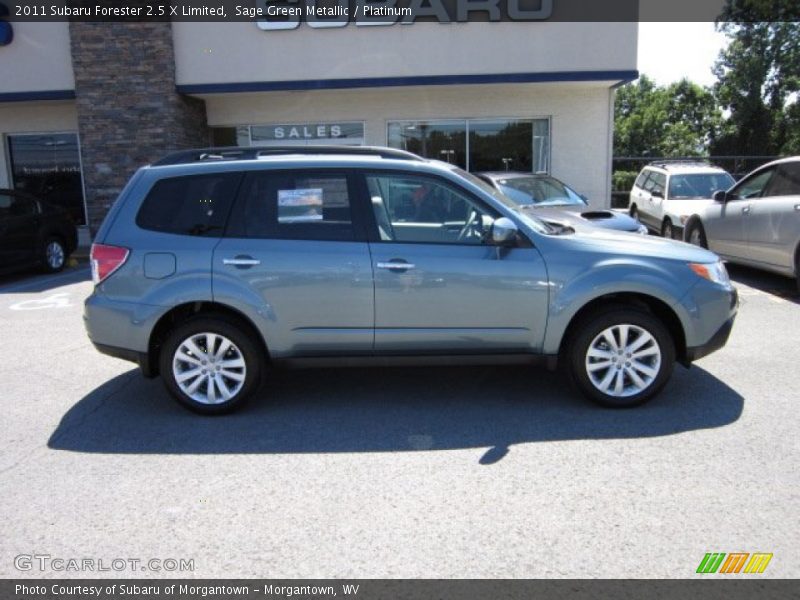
column 797, row 268
column 634, row 213
column 53, row 255
column 590, row 329
column 243, row 345
column 696, row 235
column 667, row 230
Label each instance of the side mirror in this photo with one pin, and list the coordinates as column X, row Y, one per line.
column 504, row 232
column 720, row 196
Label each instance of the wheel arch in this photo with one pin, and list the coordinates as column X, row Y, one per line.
column 187, row 310
column 691, row 222
column 657, row 307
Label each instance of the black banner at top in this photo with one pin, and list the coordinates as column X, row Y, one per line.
column 325, row 14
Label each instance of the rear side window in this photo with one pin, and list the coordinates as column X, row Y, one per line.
column 294, row 205
column 641, row 179
column 189, row 205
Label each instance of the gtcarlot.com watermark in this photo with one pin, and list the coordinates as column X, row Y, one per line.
column 47, row 562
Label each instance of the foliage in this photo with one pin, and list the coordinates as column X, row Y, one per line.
column 758, row 77
column 677, row 120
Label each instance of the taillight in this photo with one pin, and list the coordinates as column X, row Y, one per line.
column 105, row 260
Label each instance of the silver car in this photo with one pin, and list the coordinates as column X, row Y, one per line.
column 757, row 221
column 213, row 263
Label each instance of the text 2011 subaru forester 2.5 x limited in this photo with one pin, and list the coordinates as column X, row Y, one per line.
column 212, row 264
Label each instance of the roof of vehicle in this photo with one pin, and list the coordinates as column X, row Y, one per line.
column 511, row 174
column 684, row 167
column 239, row 153
column 781, row 161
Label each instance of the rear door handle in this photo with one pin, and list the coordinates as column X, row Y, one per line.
column 797, row 206
column 395, row 266
column 746, row 210
column 241, row 261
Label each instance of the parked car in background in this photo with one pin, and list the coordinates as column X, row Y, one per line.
column 34, row 233
column 666, row 194
column 213, row 262
column 757, row 221
column 548, row 198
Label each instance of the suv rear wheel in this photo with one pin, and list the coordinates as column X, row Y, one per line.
column 621, row 357
column 210, row 365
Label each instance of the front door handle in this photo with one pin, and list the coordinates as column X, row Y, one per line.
column 797, row 206
column 395, row 266
column 241, row 261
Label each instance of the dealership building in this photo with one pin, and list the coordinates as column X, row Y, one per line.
column 83, row 105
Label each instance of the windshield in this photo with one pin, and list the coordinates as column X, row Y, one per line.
column 701, row 185
column 539, row 191
column 534, row 223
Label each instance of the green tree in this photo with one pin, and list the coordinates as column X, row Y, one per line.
column 758, row 77
column 677, row 120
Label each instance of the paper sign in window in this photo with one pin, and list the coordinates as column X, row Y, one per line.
column 300, row 206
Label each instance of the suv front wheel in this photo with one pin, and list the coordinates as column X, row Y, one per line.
column 621, row 357
column 210, row 365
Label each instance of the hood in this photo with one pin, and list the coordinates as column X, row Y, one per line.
column 583, row 215
column 630, row 244
column 687, row 208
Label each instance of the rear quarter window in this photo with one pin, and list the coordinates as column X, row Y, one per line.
column 641, row 178
column 189, row 205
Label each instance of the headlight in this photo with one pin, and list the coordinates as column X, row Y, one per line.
column 642, row 230
column 715, row 272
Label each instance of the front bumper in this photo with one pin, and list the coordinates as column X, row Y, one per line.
column 717, row 341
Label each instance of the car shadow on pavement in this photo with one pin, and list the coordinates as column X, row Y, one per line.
column 31, row 282
column 763, row 281
column 386, row 410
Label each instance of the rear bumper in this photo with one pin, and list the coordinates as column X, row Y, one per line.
column 140, row 358
column 717, row 341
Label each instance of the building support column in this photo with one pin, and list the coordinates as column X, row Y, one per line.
column 129, row 113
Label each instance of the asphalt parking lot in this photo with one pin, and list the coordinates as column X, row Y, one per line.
column 457, row 472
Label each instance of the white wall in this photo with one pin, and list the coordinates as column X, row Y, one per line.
column 33, row 117
column 580, row 126
column 38, row 59
column 241, row 52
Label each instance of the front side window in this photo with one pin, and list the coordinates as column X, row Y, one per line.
column 656, row 183
column 700, row 185
column 189, row 205
column 410, row 208
column 753, row 187
column 297, row 205
column 786, row 181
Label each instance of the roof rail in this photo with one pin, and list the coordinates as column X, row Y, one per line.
column 680, row 161
column 254, row 152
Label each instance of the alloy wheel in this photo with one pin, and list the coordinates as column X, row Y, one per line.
column 54, row 254
column 209, row 368
column 623, row 360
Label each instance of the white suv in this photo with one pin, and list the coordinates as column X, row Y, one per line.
column 667, row 194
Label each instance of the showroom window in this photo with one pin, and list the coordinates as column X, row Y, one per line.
column 478, row 144
column 442, row 140
column 48, row 166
